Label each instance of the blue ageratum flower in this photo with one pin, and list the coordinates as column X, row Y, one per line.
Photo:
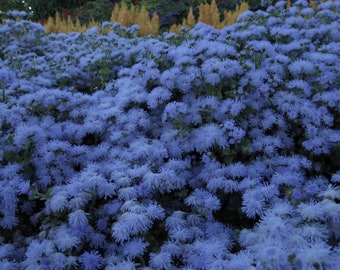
column 204, row 31
column 129, row 91
column 216, row 176
column 168, row 78
column 203, row 138
column 158, row 180
column 336, row 177
column 78, row 222
column 64, row 239
column 134, row 219
column 130, row 224
column 16, row 14
column 253, row 203
column 211, row 69
column 301, row 86
column 91, row 260
column 158, row 96
column 161, row 260
column 174, row 109
column 13, row 185
column 203, row 202
column 134, row 248
column 39, row 255
column 109, row 155
column 301, row 67
column 7, row 76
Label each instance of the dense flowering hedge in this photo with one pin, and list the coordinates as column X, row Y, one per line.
column 214, row 149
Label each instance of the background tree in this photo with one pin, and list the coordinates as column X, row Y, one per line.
column 7, row 5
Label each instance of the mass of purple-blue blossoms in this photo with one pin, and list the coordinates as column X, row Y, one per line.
column 213, row 149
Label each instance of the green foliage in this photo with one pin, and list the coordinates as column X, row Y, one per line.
column 38, row 9
column 36, row 195
column 7, row 5
column 170, row 12
column 99, row 11
column 151, row 5
column 262, row 4
column 43, row 9
column 213, row 90
column 23, row 157
column 3, row 91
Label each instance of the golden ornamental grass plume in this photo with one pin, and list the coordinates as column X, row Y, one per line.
column 124, row 17
column 115, row 13
column 59, row 25
column 143, row 20
column 127, row 17
column 190, row 21
column 209, row 14
column 121, row 13
column 154, row 24
column 175, row 28
column 289, row 4
column 230, row 17
column 313, row 5
column 50, row 26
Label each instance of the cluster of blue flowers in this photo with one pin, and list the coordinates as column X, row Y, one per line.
column 212, row 149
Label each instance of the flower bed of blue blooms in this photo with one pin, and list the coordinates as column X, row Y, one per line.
column 212, row 149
